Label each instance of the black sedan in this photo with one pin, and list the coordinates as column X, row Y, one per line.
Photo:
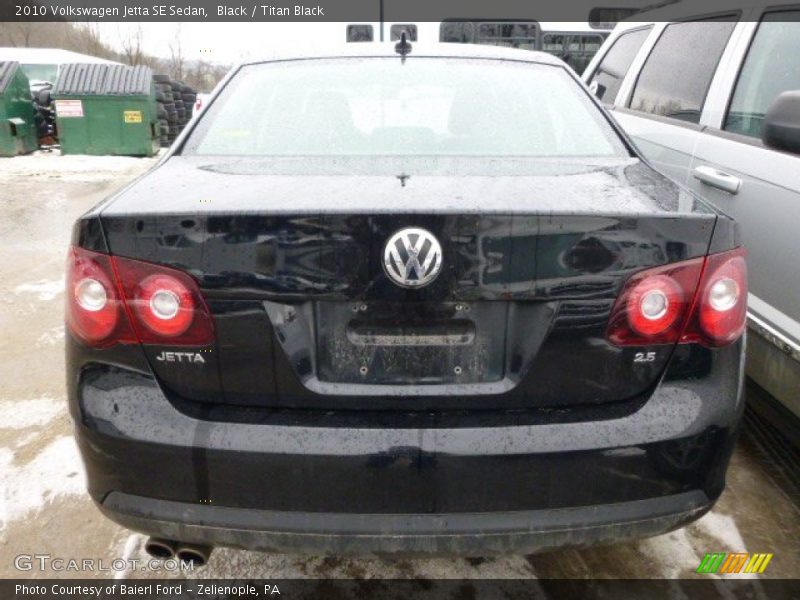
column 426, row 301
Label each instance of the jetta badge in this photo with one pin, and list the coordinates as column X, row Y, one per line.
column 412, row 257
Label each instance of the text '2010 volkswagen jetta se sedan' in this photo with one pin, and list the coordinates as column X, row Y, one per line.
column 429, row 303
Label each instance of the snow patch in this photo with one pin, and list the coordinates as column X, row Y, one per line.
column 71, row 167
column 21, row 414
column 133, row 547
column 722, row 528
column 51, row 337
column 45, row 289
column 55, row 472
column 672, row 554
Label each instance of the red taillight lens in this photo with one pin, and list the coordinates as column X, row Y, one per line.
column 698, row 300
column 720, row 315
column 653, row 305
column 165, row 304
column 94, row 312
column 120, row 300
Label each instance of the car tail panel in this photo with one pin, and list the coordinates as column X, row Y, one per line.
column 305, row 315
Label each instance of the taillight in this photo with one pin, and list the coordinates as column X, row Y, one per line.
column 720, row 314
column 653, row 305
column 699, row 300
column 94, row 312
column 120, row 300
column 165, row 304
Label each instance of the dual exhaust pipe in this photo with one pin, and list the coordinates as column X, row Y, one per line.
column 195, row 554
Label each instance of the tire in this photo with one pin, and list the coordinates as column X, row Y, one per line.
column 160, row 78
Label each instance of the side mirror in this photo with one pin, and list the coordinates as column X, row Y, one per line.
column 782, row 123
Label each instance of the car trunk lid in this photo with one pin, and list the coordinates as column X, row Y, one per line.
column 534, row 254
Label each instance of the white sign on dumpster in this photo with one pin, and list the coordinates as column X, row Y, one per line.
column 69, row 108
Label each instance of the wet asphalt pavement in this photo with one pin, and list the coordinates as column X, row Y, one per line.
column 43, row 506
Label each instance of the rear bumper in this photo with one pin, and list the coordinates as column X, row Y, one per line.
column 466, row 534
column 327, row 482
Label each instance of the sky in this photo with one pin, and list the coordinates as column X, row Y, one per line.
column 227, row 43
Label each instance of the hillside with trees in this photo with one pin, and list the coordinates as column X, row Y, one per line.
column 85, row 38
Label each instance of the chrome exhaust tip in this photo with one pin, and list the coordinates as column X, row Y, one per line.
column 160, row 548
column 194, row 554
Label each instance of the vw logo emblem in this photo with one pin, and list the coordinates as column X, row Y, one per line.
column 412, row 257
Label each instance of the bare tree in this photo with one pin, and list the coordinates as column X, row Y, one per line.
column 24, row 34
column 92, row 43
column 85, row 38
column 176, row 62
column 132, row 45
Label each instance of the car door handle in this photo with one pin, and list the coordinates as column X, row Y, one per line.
column 718, row 179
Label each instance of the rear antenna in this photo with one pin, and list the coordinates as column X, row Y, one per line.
column 403, row 48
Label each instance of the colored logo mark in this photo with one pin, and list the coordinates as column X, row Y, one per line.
column 737, row 562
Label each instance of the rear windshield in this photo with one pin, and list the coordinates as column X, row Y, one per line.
column 382, row 107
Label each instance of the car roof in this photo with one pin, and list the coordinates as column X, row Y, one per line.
column 436, row 50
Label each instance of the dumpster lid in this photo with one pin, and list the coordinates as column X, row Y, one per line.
column 7, row 71
column 88, row 79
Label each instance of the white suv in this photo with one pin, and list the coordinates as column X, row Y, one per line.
column 714, row 102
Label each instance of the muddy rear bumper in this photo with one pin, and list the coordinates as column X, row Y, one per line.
column 466, row 534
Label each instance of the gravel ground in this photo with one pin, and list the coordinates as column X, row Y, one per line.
column 43, row 506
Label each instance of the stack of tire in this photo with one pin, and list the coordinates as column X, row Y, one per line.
column 175, row 105
column 44, row 115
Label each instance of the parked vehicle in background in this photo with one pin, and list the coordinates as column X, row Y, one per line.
column 714, row 103
column 200, row 102
column 574, row 43
column 428, row 303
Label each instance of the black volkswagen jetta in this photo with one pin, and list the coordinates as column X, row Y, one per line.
column 435, row 303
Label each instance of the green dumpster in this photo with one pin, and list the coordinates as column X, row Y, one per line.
column 106, row 109
column 17, row 125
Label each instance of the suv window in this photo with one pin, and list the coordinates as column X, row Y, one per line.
column 460, row 32
column 676, row 76
column 772, row 66
column 410, row 30
column 575, row 49
column 514, row 34
column 615, row 64
column 359, row 33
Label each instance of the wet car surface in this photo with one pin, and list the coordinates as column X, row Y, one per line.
column 45, row 508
